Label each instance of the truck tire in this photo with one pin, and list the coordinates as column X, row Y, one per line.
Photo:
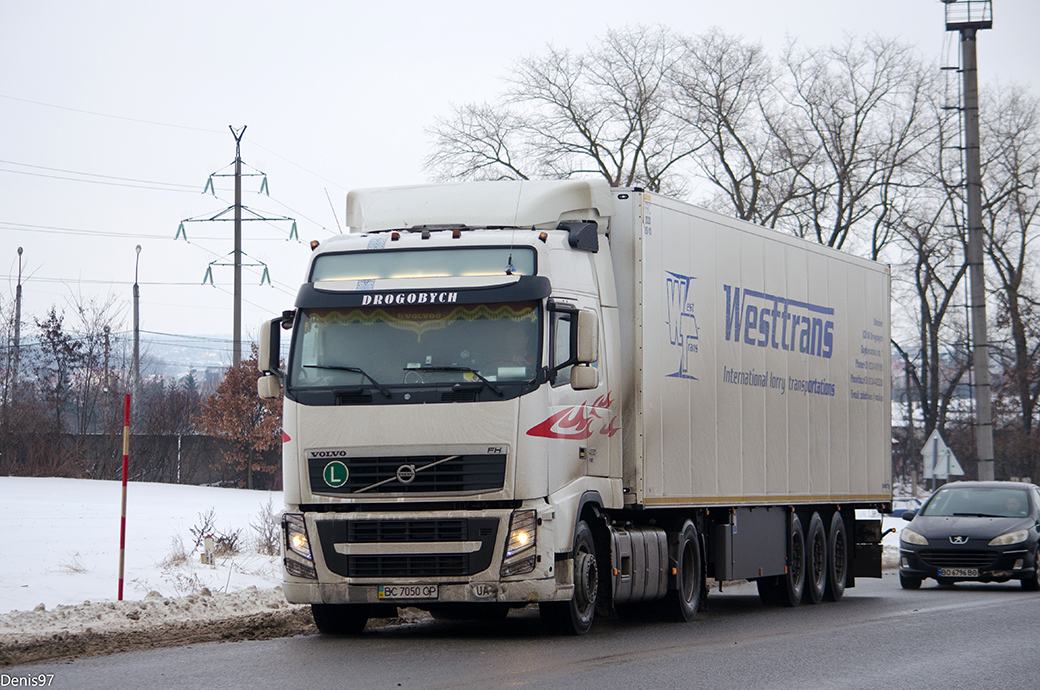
column 837, row 558
column 575, row 617
column 681, row 603
column 815, row 561
column 340, row 619
column 793, row 582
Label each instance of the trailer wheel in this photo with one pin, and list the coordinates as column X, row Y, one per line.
column 837, row 558
column 340, row 619
column 794, row 579
column 575, row 617
column 815, row 561
column 681, row 603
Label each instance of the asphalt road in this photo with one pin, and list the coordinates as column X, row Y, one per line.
column 879, row 636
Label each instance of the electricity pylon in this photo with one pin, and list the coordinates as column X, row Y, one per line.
column 236, row 215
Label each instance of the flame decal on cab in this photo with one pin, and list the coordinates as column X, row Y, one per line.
column 576, row 421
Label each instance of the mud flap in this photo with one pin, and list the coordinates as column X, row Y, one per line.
column 867, row 550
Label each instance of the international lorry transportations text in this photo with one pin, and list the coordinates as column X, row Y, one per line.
column 508, row 393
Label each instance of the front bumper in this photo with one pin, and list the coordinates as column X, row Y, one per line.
column 354, row 555
column 991, row 564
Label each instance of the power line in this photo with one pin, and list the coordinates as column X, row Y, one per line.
column 86, row 174
column 114, row 117
column 108, row 184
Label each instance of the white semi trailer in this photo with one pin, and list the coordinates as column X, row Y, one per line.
column 592, row 399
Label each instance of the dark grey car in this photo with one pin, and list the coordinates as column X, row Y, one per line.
column 976, row 531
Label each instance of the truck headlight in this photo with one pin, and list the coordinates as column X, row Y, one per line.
column 297, row 543
column 296, row 535
column 520, row 552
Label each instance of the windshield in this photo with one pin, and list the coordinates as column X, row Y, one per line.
column 385, row 347
column 978, row 502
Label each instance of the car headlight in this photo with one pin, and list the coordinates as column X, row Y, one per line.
column 1010, row 538
column 520, row 552
column 912, row 537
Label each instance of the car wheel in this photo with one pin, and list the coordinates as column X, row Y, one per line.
column 815, row 561
column 837, row 558
column 574, row 617
column 909, row 581
column 1032, row 584
column 340, row 619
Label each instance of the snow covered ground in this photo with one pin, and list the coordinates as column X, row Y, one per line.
column 60, row 566
column 59, row 571
column 61, row 541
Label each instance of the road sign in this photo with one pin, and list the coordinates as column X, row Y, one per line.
column 939, row 460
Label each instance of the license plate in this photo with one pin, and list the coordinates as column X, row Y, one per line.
column 407, row 591
column 958, row 572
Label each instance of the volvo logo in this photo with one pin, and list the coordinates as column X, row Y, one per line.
column 953, row 540
column 406, row 474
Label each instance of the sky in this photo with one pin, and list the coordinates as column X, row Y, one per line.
column 113, row 115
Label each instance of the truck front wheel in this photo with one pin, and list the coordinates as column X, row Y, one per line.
column 682, row 603
column 574, row 617
column 340, row 619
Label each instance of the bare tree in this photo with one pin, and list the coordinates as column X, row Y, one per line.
column 724, row 90
column 862, row 109
column 1011, row 207
column 604, row 112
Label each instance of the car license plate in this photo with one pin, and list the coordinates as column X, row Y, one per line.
column 958, row 572
column 407, row 591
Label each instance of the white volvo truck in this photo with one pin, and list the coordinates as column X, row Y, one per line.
column 591, row 399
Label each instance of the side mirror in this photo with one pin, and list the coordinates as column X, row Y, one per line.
column 909, row 515
column 268, row 387
column 268, row 355
column 584, row 377
column 588, row 337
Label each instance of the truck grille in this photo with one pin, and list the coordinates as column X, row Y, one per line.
column 410, row 474
column 362, row 533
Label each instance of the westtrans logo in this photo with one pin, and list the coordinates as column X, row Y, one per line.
column 681, row 321
column 762, row 320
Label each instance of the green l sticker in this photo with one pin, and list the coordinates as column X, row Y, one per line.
column 335, row 474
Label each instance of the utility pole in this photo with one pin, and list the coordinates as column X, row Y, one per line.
column 236, row 349
column 968, row 17
column 17, row 328
column 237, row 208
column 136, row 367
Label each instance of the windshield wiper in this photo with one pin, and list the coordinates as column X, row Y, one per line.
column 357, row 370
column 978, row 515
column 469, row 370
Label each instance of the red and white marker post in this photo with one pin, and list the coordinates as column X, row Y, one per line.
column 126, row 466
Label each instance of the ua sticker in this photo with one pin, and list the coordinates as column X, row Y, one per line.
column 335, row 474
